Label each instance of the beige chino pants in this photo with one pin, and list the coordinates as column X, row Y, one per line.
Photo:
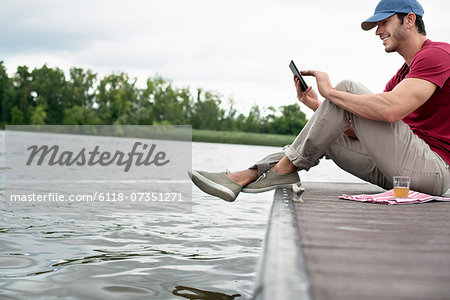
column 381, row 151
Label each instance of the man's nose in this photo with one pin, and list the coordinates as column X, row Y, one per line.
column 378, row 31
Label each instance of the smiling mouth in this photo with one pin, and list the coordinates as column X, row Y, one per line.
column 385, row 39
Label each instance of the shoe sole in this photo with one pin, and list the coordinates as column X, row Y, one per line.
column 212, row 188
column 268, row 188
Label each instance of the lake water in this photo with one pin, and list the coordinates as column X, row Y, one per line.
column 90, row 254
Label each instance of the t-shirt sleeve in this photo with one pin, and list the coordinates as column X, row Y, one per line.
column 397, row 78
column 390, row 85
column 432, row 64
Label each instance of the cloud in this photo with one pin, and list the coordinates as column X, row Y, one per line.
column 240, row 48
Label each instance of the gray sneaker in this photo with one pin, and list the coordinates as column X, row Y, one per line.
column 216, row 184
column 271, row 180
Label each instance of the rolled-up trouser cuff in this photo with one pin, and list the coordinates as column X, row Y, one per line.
column 267, row 162
column 300, row 162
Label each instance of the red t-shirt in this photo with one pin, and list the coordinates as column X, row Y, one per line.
column 431, row 121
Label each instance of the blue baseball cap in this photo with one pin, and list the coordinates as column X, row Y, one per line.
column 387, row 8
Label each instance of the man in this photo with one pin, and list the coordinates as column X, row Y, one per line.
column 403, row 131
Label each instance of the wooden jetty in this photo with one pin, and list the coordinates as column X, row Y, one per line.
column 352, row 250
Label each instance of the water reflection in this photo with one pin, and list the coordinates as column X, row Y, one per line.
column 193, row 294
column 104, row 253
column 124, row 289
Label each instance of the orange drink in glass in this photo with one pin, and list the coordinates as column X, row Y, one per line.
column 401, row 186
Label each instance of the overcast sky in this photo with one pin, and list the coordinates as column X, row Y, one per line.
column 238, row 48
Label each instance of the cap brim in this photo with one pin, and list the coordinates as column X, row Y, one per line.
column 372, row 21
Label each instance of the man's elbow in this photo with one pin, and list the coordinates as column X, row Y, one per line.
column 391, row 110
column 392, row 116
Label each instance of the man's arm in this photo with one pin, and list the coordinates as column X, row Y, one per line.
column 310, row 99
column 391, row 106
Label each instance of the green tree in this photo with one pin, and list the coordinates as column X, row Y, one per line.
column 168, row 104
column 50, row 87
column 80, row 88
column 185, row 101
column 229, row 122
column 38, row 116
column 207, row 113
column 17, row 116
column 253, row 122
column 20, row 102
column 78, row 115
column 291, row 121
column 117, row 99
column 5, row 84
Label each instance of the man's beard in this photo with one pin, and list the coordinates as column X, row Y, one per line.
column 398, row 36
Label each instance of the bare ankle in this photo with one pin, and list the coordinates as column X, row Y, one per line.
column 244, row 177
column 285, row 166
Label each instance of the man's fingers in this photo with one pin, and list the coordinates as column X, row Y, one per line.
column 307, row 72
column 297, row 82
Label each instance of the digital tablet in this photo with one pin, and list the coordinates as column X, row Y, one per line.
column 295, row 71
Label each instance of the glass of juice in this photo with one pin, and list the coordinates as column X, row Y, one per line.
column 401, row 186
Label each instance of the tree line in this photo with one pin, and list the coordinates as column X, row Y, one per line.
column 47, row 96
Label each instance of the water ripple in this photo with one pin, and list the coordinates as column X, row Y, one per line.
column 104, row 253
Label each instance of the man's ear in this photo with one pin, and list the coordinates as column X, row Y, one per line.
column 410, row 20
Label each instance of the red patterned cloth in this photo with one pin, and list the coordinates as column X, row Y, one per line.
column 388, row 198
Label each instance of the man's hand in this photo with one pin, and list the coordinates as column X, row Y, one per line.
column 308, row 97
column 323, row 82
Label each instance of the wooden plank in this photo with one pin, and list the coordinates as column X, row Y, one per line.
column 359, row 250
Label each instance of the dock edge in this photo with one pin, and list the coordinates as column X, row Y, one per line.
column 281, row 271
